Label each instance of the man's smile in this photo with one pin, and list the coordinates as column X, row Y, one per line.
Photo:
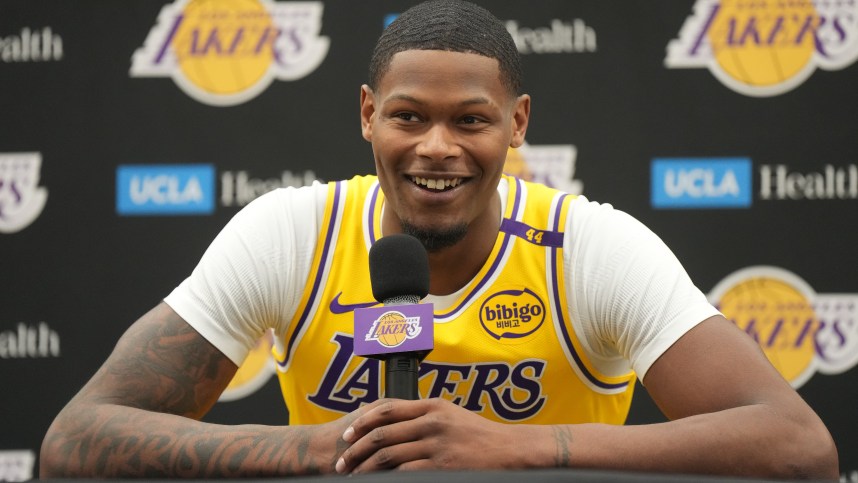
column 437, row 184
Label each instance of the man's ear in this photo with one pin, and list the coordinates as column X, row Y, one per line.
column 520, row 118
column 367, row 111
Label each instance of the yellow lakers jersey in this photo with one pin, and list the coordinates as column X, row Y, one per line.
column 505, row 349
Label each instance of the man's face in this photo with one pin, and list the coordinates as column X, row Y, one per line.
column 440, row 124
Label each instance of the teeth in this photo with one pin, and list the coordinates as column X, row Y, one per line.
column 437, row 184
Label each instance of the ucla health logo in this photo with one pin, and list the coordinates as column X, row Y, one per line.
column 165, row 189
column 226, row 52
column 766, row 47
column 800, row 331
column 21, row 198
column 511, row 315
column 701, row 182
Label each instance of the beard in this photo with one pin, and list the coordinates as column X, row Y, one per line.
column 437, row 239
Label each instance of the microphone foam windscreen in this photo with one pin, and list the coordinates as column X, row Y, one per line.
column 398, row 266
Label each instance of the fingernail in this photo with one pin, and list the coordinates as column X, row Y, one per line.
column 341, row 465
column 348, row 433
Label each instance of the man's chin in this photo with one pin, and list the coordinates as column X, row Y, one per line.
column 436, row 238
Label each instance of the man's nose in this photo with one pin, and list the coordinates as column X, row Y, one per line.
column 439, row 142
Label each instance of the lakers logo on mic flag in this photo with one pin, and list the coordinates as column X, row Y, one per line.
column 402, row 328
column 393, row 328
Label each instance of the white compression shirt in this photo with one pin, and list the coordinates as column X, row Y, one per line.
column 628, row 295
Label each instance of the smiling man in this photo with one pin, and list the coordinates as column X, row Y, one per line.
column 547, row 307
column 440, row 123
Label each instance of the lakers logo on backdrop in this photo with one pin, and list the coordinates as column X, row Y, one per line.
column 551, row 165
column 254, row 372
column 511, row 315
column 801, row 332
column 21, row 198
column 766, row 47
column 393, row 328
column 226, row 52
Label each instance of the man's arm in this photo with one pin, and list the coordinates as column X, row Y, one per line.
column 731, row 413
column 138, row 416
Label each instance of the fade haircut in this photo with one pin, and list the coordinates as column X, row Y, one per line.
column 451, row 25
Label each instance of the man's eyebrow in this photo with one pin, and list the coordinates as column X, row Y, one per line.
column 475, row 100
column 466, row 102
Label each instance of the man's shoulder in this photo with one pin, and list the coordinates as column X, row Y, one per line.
column 302, row 197
column 538, row 191
column 362, row 183
column 532, row 185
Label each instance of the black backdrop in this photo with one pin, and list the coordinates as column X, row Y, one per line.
column 606, row 105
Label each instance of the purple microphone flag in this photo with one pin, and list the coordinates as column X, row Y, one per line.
column 394, row 329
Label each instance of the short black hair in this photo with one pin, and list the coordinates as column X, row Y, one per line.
column 451, row 25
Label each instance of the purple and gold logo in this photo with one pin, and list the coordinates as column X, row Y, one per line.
column 226, row 52
column 397, row 328
column 254, row 372
column 512, row 314
column 800, row 331
column 552, row 165
column 393, row 328
column 21, row 198
column 765, row 48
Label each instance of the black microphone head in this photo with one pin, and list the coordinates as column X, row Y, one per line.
column 398, row 266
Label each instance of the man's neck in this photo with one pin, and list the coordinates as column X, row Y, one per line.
column 452, row 268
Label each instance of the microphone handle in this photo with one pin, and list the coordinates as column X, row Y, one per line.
column 400, row 376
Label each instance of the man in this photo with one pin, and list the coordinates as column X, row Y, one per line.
column 605, row 300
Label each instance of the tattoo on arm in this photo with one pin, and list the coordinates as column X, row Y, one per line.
column 135, row 418
column 167, row 367
column 563, row 440
column 125, row 447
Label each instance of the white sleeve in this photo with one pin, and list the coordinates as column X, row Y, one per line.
column 628, row 295
column 252, row 275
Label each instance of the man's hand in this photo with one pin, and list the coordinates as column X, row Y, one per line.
column 430, row 434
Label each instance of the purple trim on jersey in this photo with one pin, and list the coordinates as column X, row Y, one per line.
column 317, row 282
column 562, row 322
column 515, row 207
column 519, row 229
column 370, row 217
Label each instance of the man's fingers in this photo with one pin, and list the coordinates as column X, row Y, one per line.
column 390, row 434
column 382, row 447
column 400, row 456
column 384, row 413
column 417, row 465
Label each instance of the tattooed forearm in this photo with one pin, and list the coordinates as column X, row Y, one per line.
column 133, row 442
column 136, row 417
column 563, row 440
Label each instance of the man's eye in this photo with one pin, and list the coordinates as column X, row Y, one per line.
column 405, row 116
column 470, row 120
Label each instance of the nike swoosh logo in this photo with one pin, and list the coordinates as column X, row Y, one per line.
column 337, row 308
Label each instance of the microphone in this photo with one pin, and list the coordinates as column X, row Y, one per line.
column 402, row 332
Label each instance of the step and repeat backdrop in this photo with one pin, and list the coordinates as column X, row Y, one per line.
column 130, row 133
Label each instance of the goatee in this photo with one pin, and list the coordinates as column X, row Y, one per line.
column 435, row 240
